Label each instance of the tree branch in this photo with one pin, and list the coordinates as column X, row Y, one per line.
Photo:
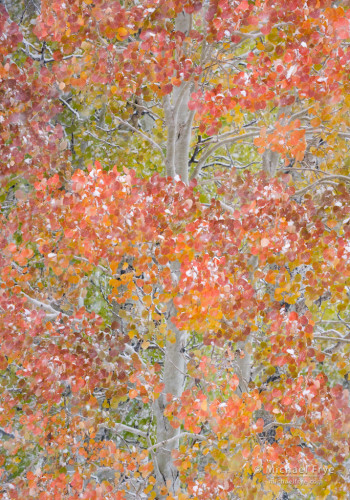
column 299, row 113
column 102, row 140
column 126, row 428
column 44, row 306
column 325, row 180
column 74, row 111
column 146, row 137
column 174, row 438
column 336, row 339
column 220, row 144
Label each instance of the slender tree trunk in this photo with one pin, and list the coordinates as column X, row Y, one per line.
column 174, row 382
column 178, row 117
column 179, row 124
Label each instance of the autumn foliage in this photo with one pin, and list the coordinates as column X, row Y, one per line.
column 175, row 254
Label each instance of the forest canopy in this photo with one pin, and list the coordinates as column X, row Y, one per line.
column 175, row 254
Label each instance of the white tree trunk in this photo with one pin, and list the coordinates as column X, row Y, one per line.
column 178, row 117
column 179, row 125
column 174, row 376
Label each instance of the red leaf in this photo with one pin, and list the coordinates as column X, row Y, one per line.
column 341, row 27
column 287, row 400
column 293, row 316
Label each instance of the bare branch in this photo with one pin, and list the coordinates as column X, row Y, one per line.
column 336, row 339
column 344, row 135
column 218, row 145
column 325, row 180
column 314, row 170
column 74, row 111
column 142, row 134
column 126, row 428
column 299, row 113
column 174, row 438
column 131, row 351
column 43, row 305
column 102, row 140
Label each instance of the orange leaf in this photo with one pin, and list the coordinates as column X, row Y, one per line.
column 122, row 33
column 114, row 266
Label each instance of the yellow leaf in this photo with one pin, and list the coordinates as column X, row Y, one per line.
column 73, row 279
column 315, row 122
column 114, row 403
column 114, row 283
column 85, row 45
column 239, row 118
column 147, row 300
column 122, row 33
column 132, row 333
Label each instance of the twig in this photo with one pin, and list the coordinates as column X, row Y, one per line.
column 131, row 351
column 217, row 163
column 220, row 144
column 146, row 110
column 327, row 180
column 102, row 140
column 332, row 330
column 336, row 339
column 227, row 207
column 174, row 438
column 293, row 169
column 126, row 428
column 278, row 424
column 74, row 111
column 299, row 113
column 44, row 306
column 146, row 137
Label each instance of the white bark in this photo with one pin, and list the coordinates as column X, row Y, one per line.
column 243, row 366
column 270, row 161
column 171, row 126
column 179, row 124
column 174, row 382
column 174, row 377
column 178, row 117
